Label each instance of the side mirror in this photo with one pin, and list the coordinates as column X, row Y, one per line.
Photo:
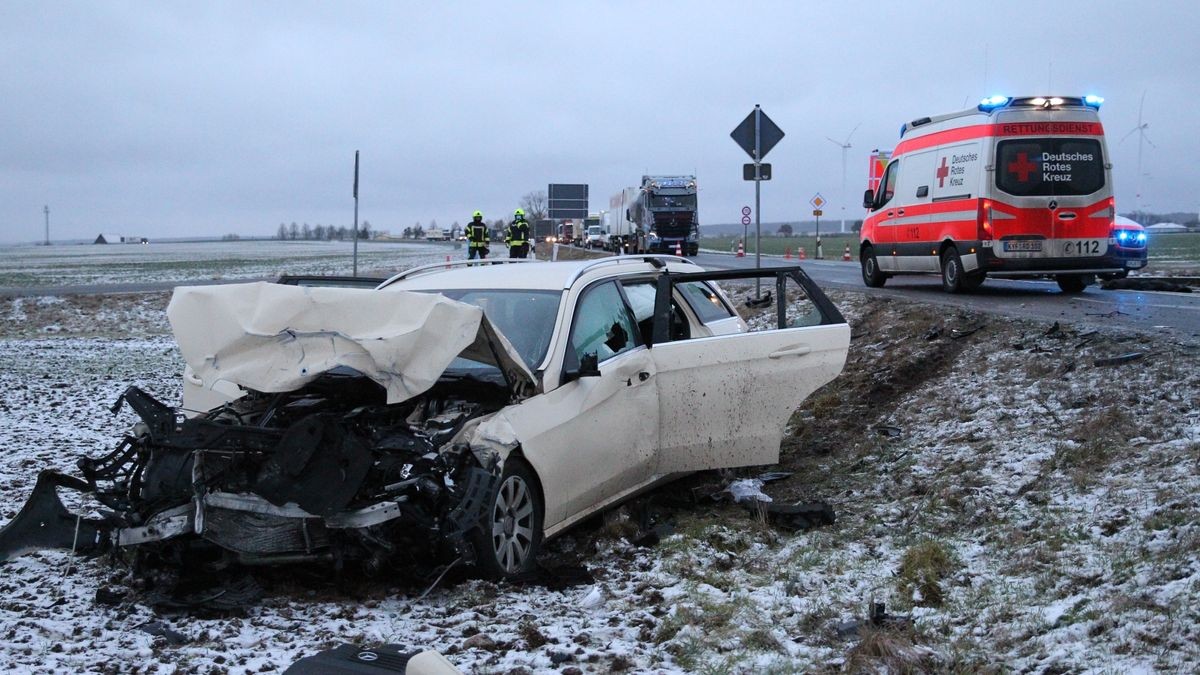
column 576, row 367
column 868, row 199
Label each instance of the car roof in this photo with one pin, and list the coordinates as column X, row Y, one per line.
column 530, row 275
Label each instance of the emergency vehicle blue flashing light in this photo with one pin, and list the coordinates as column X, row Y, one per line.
column 1093, row 101
column 1141, row 237
column 1123, row 235
column 993, row 102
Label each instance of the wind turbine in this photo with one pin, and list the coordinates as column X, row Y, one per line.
column 1140, row 130
column 844, row 145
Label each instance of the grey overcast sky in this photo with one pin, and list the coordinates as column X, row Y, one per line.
column 201, row 118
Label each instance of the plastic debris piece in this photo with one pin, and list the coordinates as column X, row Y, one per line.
column 747, row 489
column 1117, row 360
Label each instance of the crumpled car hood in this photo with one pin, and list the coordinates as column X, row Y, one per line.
column 273, row 338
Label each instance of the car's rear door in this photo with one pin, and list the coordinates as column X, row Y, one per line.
column 724, row 400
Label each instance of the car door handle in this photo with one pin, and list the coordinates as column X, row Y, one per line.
column 798, row 350
column 642, row 377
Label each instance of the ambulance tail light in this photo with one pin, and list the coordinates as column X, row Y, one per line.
column 985, row 220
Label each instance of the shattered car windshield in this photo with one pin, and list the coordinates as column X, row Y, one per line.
column 525, row 317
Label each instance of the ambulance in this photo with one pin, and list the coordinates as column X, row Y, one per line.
column 1015, row 187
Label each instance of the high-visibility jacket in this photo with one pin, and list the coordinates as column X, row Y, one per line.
column 477, row 235
column 518, row 233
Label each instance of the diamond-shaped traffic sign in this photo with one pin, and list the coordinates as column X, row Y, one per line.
column 768, row 134
column 817, row 201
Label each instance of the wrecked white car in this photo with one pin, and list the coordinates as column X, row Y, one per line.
column 455, row 414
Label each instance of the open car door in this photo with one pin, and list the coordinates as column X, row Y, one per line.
column 724, row 400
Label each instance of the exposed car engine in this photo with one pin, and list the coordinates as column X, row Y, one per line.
column 328, row 472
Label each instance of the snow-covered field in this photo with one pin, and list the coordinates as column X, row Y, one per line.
column 1030, row 509
column 131, row 263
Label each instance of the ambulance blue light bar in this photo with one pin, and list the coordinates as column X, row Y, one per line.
column 1093, row 101
column 993, row 102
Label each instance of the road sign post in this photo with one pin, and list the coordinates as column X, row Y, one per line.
column 817, row 202
column 757, row 134
column 355, row 268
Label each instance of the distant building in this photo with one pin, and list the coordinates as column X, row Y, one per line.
column 1166, row 227
column 119, row 239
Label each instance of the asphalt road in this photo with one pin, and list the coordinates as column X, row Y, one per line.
column 1164, row 313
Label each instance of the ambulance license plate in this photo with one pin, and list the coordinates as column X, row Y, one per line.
column 1023, row 245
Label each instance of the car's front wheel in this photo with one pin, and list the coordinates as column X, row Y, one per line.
column 510, row 533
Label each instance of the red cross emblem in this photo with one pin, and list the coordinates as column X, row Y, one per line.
column 1022, row 167
column 942, row 172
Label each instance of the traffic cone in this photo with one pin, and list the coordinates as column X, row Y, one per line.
column 846, row 254
column 801, row 254
column 741, row 250
column 787, row 253
column 679, row 249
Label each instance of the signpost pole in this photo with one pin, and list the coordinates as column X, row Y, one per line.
column 820, row 256
column 757, row 199
column 355, row 213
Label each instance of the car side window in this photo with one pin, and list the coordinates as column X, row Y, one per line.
column 704, row 301
column 602, row 324
column 641, row 295
column 888, row 184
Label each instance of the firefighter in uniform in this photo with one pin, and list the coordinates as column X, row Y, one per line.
column 517, row 236
column 477, row 237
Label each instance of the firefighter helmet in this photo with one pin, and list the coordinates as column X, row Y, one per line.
column 477, row 214
column 519, row 212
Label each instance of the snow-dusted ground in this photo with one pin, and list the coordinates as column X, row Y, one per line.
column 1049, row 503
column 132, row 263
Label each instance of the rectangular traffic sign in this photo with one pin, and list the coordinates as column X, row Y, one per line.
column 818, row 212
column 764, row 172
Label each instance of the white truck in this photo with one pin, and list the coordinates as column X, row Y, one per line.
column 622, row 232
column 593, row 230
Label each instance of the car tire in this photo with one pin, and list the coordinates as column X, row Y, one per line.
column 1072, row 283
column 953, row 277
column 870, row 269
column 509, row 535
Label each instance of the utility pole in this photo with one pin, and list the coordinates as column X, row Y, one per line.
column 355, row 213
column 46, row 209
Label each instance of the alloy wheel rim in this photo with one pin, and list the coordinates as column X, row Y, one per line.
column 512, row 524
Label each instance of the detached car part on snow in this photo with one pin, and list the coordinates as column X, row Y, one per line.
column 391, row 429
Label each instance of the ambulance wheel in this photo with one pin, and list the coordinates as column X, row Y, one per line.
column 953, row 278
column 870, row 269
column 1071, row 283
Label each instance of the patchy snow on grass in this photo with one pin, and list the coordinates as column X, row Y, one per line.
column 1025, row 507
column 99, row 264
